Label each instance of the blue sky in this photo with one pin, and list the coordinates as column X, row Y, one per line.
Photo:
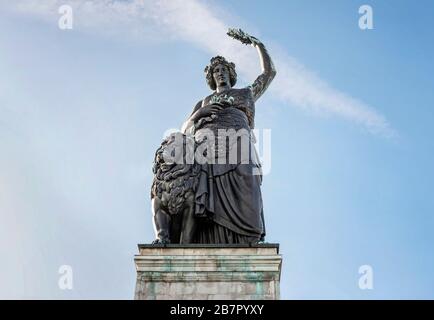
column 82, row 112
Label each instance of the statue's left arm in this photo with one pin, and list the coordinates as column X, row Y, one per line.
column 268, row 71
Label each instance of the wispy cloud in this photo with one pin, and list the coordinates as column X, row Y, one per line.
column 197, row 22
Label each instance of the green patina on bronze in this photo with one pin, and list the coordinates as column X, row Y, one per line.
column 151, row 290
column 168, row 263
column 207, row 273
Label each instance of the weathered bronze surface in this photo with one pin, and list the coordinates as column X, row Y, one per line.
column 214, row 202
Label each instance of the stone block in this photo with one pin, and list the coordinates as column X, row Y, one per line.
column 195, row 271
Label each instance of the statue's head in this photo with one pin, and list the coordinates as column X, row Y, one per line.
column 220, row 72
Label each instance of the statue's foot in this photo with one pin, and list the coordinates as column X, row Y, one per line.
column 258, row 241
column 161, row 241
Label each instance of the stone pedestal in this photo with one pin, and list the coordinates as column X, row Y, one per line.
column 208, row 272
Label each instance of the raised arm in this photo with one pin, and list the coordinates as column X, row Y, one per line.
column 268, row 71
column 262, row 82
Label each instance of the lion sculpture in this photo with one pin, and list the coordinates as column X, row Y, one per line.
column 173, row 190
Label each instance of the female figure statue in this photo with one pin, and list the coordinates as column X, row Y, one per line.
column 228, row 201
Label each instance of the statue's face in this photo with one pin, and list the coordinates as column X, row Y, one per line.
column 221, row 75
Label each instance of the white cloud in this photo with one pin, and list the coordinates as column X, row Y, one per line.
column 196, row 22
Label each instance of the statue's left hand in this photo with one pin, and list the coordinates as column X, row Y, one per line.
column 243, row 37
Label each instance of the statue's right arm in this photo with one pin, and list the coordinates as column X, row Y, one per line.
column 268, row 72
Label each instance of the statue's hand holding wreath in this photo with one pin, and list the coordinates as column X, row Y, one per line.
column 243, row 37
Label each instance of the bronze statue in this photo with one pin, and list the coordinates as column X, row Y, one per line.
column 219, row 202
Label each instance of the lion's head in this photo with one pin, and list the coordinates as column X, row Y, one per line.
column 174, row 168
